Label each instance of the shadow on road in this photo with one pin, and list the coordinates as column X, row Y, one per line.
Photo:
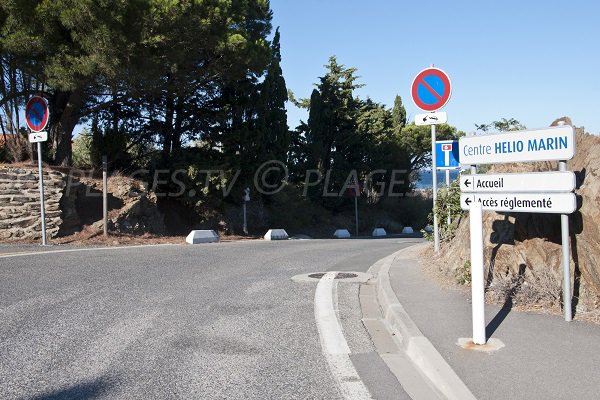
column 84, row 390
column 507, row 306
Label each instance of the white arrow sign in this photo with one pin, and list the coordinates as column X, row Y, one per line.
column 533, row 182
column 433, row 118
column 35, row 137
column 554, row 203
column 556, row 143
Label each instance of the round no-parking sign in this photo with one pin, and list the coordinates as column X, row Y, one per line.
column 36, row 113
column 431, row 89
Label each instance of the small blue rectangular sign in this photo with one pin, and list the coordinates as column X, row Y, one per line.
column 446, row 154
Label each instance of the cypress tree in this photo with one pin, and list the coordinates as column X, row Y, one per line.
column 272, row 118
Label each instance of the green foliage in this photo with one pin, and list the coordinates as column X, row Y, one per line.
column 82, row 146
column 149, row 68
column 463, row 274
column 398, row 114
column 272, row 115
column 447, row 206
column 416, row 143
column 502, row 125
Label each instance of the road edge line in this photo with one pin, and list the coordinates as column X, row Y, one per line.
column 418, row 348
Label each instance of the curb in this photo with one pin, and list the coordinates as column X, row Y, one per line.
column 416, row 346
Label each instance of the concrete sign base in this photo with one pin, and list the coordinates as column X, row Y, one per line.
column 202, row 236
column 377, row 232
column 341, row 234
column 276, row 234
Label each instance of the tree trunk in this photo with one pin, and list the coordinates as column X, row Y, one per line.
column 64, row 117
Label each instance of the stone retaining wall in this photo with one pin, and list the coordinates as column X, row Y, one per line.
column 20, row 204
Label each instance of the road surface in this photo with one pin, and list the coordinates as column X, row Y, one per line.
column 215, row 321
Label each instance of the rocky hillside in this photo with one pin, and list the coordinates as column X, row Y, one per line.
column 523, row 251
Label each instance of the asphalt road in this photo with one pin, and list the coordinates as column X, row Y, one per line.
column 216, row 321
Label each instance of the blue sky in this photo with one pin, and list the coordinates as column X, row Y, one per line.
column 530, row 60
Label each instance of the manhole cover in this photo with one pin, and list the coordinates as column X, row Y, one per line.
column 340, row 275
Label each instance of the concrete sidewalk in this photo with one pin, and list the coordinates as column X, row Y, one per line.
column 544, row 358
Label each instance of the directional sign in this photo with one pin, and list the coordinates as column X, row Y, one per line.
column 532, row 182
column 556, row 143
column 554, row 203
column 446, row 154
column 434, row 118
column 36, row 113
column 431, row 89
column 36, row 137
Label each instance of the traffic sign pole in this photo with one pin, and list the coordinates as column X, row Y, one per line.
column 566, row 257
column 36, row 117
column 430, row 91
column 41, row 184
column 477, row 282
column 436, row 233
column 448, row 194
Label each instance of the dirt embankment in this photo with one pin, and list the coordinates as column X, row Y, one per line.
column 523, row 251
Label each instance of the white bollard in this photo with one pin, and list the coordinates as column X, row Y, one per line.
column 477, row 281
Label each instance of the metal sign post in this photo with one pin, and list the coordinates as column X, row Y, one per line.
column 246, row 199
column 41, row 184
column 477, row 275
column 105, row 194
column 436, row 232
column 37, row 116
column 449, row 220
column 566, row 257
column 430, row 91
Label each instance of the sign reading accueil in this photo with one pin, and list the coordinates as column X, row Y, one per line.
column 446, row 154
column 556, row 143
column 431, row 89
column 554, row 203
column 530, row 182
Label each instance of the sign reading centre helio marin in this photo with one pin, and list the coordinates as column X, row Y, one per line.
column 556, row 143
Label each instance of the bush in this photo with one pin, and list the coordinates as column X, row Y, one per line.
column 82, row 151
column 447, row 206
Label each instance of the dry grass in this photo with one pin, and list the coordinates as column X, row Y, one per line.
column 539, row 293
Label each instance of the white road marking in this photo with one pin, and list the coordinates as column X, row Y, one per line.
column 34, row 253
column 334, row 345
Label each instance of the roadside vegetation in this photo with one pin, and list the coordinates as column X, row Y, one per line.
column 196, row 87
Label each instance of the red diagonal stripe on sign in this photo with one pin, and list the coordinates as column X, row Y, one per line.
column 422, row 82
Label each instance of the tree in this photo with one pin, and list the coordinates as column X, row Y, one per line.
column 502, row 125
column 398, row 114
column 154, row 67
column 416, row 143
column 71, row 48
column 272, row 115
column 332, row 113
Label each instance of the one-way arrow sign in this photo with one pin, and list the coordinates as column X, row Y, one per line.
column 433, row 118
